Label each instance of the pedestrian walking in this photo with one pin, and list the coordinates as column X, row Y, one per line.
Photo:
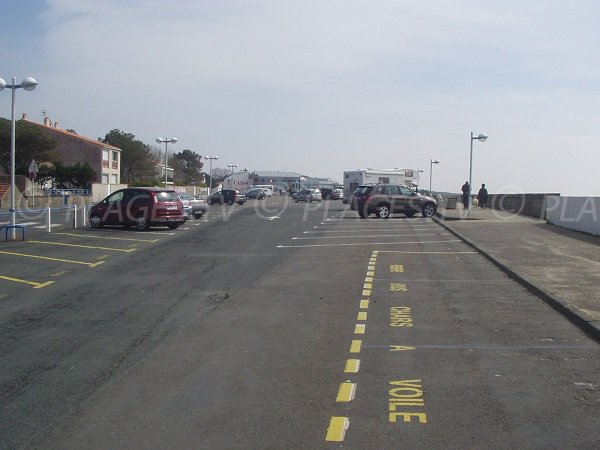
column 465, row 194
column 482, row 197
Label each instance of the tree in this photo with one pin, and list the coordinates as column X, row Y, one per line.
column 30, row 143
column 75, row 176
column 187, row 166
column 136, row 157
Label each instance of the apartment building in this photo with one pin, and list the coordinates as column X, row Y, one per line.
column 105, row 159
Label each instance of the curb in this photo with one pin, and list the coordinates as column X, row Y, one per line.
column 590, row 327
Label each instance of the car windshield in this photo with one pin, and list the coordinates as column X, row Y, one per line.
column 167, row 196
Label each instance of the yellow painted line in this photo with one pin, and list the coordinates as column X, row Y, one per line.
column 368, row 279
column 362, row 315
column 371, row 268
column 355, row 346
column 346, row 392
column 108, row 238
column 364, row 304
column 368, row 286
column 370, row 274
column 337, row 429
column 53, row 259
column 366, row 292
column 359, row 328
column 30, row 283
column 352, row 366
column 397, row 268
column 83, row 246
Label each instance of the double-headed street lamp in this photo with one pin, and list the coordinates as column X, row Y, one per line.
column 211, row 158
column 481, row 138
column 232, row 166
column 166, row 140
column 431, row 163
column 29, row 84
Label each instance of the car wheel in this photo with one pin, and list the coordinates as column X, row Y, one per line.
column 197, row 216
column 429, row 210
column 383, row 211
column 209, row 201
column 172, row 226
column 362, row 215
column 142, row 224
column 295, row 200
column 95, row 221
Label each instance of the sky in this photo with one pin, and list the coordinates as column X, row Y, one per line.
column 320, row 87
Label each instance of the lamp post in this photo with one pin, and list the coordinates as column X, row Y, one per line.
column 211, row 158
column 481, row 138
column 29, row 84
column 166, row 140
column 431, row 163
column 232, row 166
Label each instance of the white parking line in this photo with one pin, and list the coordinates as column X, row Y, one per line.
column 373, row 236
column 371, row 244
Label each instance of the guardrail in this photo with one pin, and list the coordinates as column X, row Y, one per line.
column 63, row 192
column 42, row 218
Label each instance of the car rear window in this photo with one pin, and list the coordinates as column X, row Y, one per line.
column 167, row 196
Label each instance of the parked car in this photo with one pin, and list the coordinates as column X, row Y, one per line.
column 257, row 193
column 308, row 196
column 142, row 207
column 386, row 199
column 330, row 193
column 192, row 205
column 226, row 196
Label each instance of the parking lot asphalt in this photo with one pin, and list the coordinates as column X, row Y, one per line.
column 560, row 266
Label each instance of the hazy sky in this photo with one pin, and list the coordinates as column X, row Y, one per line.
column 319, row 87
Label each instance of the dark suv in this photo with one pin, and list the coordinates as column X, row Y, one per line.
column 142, row 207
column 386, row 199
column 226, row 196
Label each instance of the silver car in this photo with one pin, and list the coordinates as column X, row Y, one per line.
column 308, row 196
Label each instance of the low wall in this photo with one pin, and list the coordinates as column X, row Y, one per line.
column 575, row 213
column 533, row 205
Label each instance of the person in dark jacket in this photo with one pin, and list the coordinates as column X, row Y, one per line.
column 482, row 197
column 465, row 194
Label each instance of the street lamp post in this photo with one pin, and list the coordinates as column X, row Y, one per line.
column 431, row 163
column 29, row 84
column 232, row 166
column 211, row 158
column 481, row 138
column 166, row 140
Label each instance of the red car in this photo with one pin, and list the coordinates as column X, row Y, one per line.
column 142, row 207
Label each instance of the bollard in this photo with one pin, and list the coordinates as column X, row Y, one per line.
column 49, row 220
column 83, row 215
column 74, row 216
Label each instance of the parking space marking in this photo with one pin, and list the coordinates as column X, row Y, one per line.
column 30, row 283
column 26, row 255
column 346, row 244
column 337, row 429
column 372, row 236
column 352, row 366
column 346, row 392
column 93, row 236
column 84, row 246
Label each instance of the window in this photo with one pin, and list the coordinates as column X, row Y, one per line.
column 105, row 178
column 405, row 190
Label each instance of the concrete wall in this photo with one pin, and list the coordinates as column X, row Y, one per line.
column 575, row 213
column 533, row 205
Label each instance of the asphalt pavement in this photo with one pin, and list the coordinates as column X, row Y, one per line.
column 560, row 266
